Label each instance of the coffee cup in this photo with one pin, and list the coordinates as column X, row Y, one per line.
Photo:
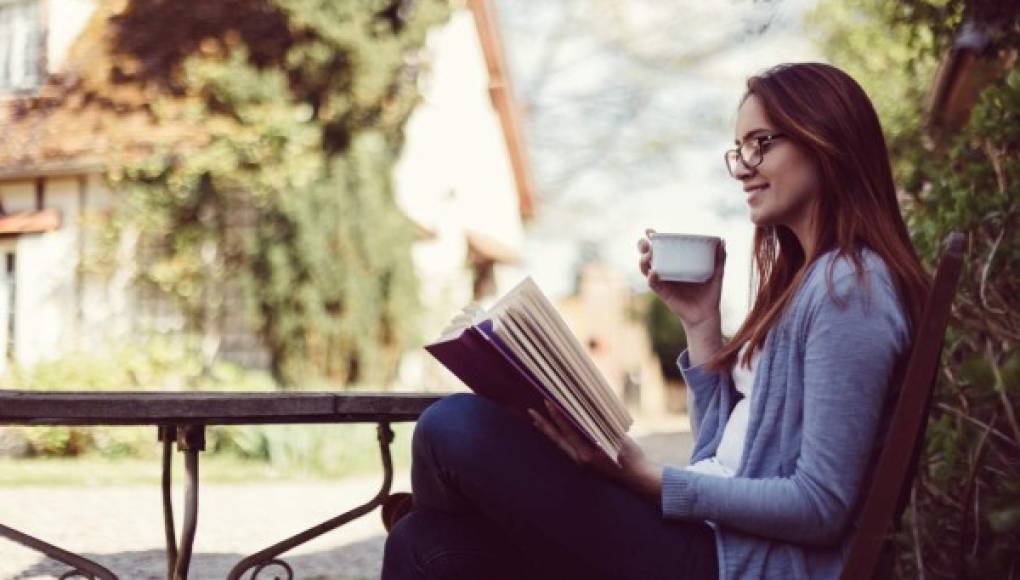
column 683, row 257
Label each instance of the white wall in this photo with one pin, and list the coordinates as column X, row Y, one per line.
column 65, row 20
column 59, row 308
column 454, row 175
column 45, row 267
column 455, row 165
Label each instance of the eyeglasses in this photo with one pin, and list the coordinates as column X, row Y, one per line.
column 750, row 154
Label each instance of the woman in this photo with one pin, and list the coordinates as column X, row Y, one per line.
column 786, row 414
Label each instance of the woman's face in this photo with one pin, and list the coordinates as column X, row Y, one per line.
column 784, row 188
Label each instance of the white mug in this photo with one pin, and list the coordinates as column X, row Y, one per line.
column 683, row 257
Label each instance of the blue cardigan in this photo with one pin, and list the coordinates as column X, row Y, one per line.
column 820, row 403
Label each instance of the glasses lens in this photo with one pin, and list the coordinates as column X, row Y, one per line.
column 731, row 161
column 751, row 152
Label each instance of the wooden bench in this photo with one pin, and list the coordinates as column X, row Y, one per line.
column 181, row 417
column 893, row 474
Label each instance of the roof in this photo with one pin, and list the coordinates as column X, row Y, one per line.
column 29, row 222
column 485, row 248
column 967, row 67
column 78, row 121
column 506, row 105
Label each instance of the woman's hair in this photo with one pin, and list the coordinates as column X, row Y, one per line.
column 827, row 114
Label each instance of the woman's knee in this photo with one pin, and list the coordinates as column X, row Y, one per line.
column 452, row 419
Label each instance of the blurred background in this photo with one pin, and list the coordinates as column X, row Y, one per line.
column 300, row 194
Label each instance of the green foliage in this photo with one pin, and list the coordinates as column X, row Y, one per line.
column 324, row 450
column 963, row 521
column 279, row 202
column 665, row 332
column 162, row 363
column 158, row 363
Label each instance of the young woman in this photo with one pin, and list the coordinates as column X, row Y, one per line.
column 787, row 414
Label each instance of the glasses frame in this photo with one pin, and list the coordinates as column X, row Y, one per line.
column 761, row 141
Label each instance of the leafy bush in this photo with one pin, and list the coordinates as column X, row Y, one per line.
column 158, row 363
column 964, row 517
column 165, row 363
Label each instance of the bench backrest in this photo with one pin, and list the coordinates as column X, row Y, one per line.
column 894, row 471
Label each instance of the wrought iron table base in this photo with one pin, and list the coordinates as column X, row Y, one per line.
column 268, row 557
column 190, row 439
column 80, row 566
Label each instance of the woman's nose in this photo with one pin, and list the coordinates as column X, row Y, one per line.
column 743, row 171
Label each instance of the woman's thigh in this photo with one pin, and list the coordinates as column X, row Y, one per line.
column 473, row 456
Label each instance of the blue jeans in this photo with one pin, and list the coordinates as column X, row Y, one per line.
column 495, row 499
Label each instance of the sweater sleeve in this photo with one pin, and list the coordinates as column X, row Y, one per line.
column 702, row 390
column 850, row 354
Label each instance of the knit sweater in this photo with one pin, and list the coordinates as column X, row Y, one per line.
column 821, row 399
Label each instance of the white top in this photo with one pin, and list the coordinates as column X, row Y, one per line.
column 731, row 447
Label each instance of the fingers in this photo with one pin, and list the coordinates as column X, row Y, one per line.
column 653, row 279
column 720, row 259
column 645, row 248
column 552, row 433
column 567, row 430
column 564, row 426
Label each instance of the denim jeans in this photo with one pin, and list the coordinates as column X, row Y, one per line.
column 495, row 499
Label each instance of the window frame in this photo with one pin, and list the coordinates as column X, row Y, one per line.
column 9, row 90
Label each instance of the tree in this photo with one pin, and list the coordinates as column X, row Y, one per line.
column 964, row 517
column 278, row 201
column 665, row 333
column 601, row 81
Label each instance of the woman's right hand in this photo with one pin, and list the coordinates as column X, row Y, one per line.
column 695, row 304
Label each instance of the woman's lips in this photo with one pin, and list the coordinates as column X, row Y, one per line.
column 752, row 195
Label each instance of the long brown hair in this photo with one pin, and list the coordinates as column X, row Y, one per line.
column 828, row 115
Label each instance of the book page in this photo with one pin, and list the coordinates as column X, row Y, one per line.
column 510, row 332
column 529, row 294
column 576, row 367
column 550, row 320
column 552, row 356
column 471, row 314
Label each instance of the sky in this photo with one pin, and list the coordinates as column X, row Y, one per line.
column 654, row 85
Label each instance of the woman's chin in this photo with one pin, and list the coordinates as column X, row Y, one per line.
column 760, row 218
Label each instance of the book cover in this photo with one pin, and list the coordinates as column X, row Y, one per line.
column 520, row 353
column 482, row 362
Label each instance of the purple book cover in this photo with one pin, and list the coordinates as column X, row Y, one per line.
column 488, row 369
column 483, row 362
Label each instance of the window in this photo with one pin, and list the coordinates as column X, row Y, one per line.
column 21, row 45
column 7, row 278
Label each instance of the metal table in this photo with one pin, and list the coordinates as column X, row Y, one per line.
column 181, row 417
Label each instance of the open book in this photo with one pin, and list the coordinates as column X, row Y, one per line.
column 520, row 352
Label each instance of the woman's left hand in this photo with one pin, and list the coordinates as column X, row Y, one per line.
column 635, row 469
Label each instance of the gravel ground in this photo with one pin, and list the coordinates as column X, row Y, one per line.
column 121, row 527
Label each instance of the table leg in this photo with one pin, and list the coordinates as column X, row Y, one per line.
column 268, row 558
column 81, row 567
column 167, row 435
column 190, row 440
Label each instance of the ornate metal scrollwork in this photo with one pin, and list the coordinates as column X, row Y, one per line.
column 275, row 562
column 75, row 573
column 262, row 559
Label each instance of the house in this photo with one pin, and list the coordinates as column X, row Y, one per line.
column 619, row 344
column 463, row 180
